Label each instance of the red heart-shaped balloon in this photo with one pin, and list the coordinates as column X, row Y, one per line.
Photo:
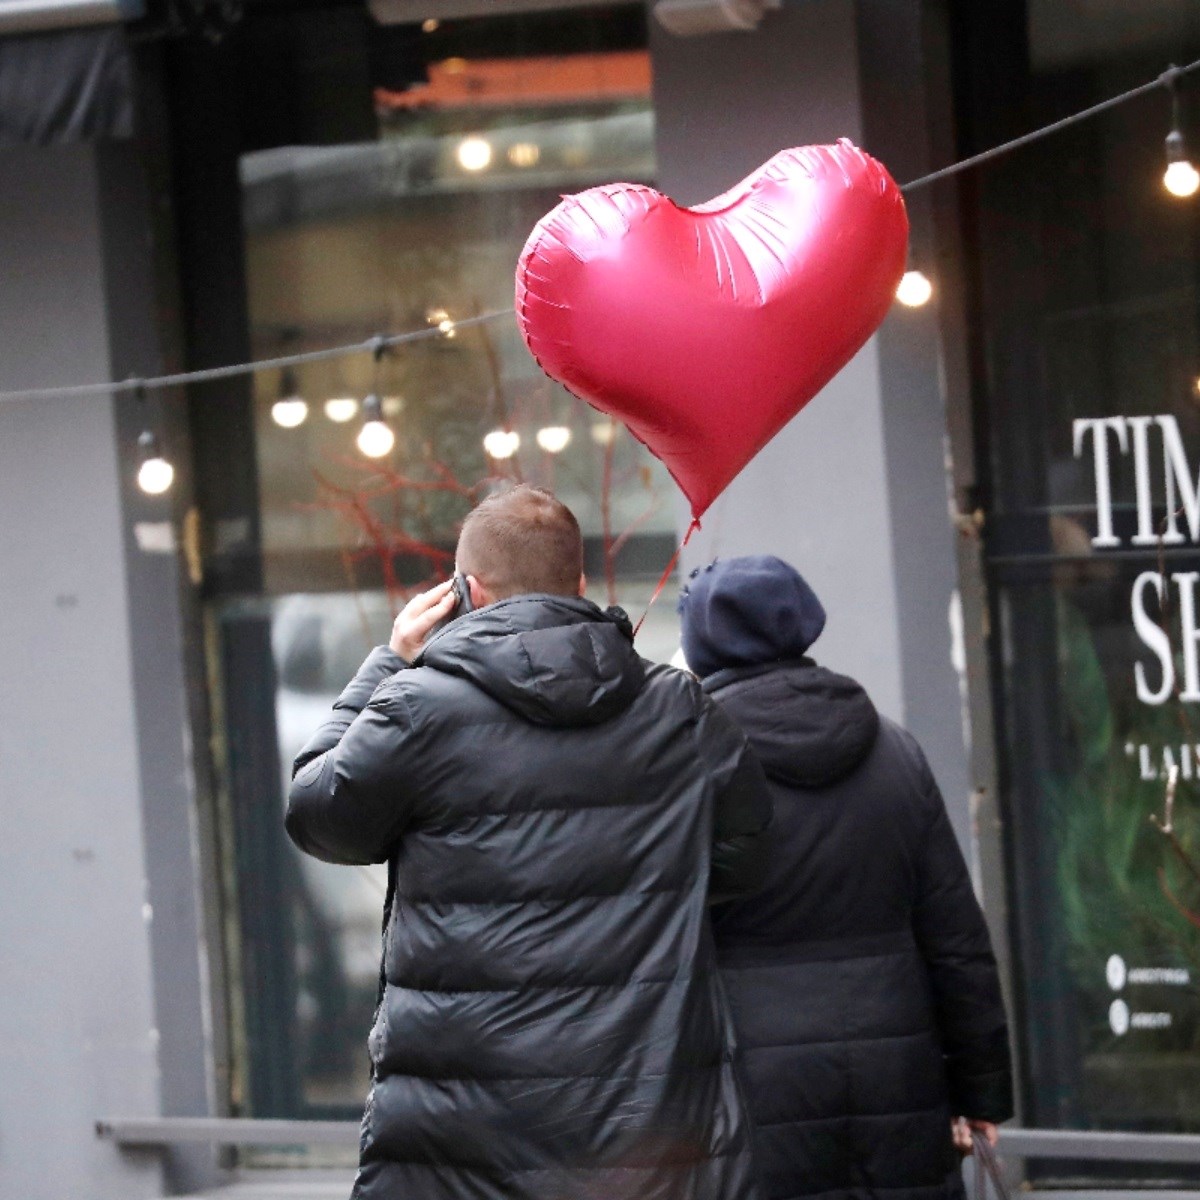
column 706, row 329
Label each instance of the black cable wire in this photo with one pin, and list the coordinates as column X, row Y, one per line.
column 156, row 382
column 1169, row 79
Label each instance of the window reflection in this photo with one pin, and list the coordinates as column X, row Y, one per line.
column 420, row 228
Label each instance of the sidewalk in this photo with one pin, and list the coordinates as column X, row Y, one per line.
column 284, row 1185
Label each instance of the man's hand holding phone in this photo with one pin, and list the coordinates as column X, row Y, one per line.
column 420, row 616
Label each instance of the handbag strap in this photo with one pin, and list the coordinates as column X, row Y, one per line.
column 987, row 1167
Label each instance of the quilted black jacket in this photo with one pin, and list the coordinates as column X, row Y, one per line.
column 862, row 980
column 557, row 811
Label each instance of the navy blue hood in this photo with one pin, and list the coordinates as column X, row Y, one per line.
column 742, row 612
column 809, row 726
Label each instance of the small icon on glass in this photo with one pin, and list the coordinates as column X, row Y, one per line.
column 1118, row 1017
column 1114, row 972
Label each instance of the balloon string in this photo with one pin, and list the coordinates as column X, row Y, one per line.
column 665, row 578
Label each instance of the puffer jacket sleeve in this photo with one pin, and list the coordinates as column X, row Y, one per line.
column 347, row 802
column 954, row 941
column 742, row 809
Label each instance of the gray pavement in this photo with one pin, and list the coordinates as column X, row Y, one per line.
column 283, row 1185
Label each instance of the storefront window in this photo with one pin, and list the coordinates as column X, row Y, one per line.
column 1088, row 369
column 419, row 228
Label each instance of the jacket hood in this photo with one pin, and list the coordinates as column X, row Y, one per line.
column 809, row 726
column 555, row 660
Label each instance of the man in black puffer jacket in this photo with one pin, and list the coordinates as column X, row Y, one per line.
column 861, row 975
column 557, row 814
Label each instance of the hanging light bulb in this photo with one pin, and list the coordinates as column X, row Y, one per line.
column 442, row 319
column 915, row 289
column 502, row 443
column 1180, row 178
column 341, row 409
column 553, row 438
column 289, row 414
column 291, row 409
column 155, row 475
column 375, row 438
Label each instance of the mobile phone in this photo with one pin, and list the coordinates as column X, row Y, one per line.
column 462, row 603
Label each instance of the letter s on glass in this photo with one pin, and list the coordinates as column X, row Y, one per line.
column 1153, row 636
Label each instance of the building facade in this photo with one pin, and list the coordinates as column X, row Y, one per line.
column 996, row 501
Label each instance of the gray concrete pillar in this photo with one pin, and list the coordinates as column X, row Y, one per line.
column 103, row 1009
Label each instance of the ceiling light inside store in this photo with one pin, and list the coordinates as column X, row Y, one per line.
column 156, row 474
column 502, row 443
column 392, row 406
column 914, row 290
column 524, row 154
column 604, row 433
column 289, row 413
column 341, row 409
column 554, row 439
column 430, row 25
column 375, row 438
column 474, row 154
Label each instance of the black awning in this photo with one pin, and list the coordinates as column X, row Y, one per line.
column 71, row 86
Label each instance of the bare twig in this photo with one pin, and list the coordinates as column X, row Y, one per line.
column 1177, row 904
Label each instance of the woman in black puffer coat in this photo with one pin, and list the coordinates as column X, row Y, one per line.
column 862, row 980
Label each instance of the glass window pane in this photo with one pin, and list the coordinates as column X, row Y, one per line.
column 419, row 228
column 1087, row 365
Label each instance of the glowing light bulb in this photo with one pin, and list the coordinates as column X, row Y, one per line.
column 474, row 154
column 604, row 433
column 430, row 25
column 442, row 319
column 914, row 290
column 1181, row 179
column 376, row 439
column 155, row 475
column 289, row 413
column 502, row 443
column 341, row 409
column 524, row 154
column 553, row 438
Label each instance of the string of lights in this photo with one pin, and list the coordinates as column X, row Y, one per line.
column 376, row 438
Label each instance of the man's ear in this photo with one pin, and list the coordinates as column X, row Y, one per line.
column 583, row 585
column 480, row 596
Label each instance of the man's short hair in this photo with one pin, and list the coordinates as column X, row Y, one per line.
column 520, row 541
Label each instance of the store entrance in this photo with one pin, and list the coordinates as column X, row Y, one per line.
column 1087, row 380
